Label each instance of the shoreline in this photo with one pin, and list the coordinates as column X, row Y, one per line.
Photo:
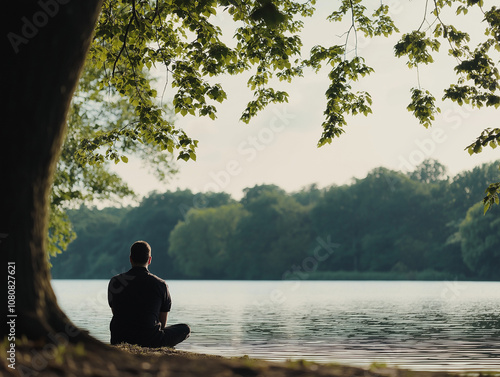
column 131, row 361
column 375, row 368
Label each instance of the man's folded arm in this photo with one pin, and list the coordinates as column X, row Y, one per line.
column 163, row 319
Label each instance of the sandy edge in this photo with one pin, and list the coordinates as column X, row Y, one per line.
column 127, row 361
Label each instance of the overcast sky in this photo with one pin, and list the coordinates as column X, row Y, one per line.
column 279, row 146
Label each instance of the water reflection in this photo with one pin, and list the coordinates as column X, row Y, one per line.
column 410, row 324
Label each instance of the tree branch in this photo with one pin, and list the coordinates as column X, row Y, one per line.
column 125, row 36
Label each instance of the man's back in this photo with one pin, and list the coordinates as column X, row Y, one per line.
column 136, row 298
column 140, row 302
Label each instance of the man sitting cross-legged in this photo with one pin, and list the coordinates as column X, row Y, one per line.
column 140, row 302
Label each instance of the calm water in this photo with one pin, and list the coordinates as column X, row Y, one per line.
column 418, row 325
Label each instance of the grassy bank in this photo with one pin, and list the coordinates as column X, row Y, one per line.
column 426, row 275
column 131, row 361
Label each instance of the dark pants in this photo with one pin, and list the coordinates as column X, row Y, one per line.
column 168, row 337
column 174, row 334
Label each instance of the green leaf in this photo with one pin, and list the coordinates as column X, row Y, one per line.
column 486, row 207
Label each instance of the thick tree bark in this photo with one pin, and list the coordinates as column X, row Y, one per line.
column 44, row 47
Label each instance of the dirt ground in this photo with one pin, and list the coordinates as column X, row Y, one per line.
column 127, row 361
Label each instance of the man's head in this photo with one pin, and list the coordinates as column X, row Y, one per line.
column 140, row 254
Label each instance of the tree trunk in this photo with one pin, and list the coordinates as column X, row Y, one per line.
column 44, row 52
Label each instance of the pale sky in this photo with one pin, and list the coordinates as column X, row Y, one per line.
column 279, row 145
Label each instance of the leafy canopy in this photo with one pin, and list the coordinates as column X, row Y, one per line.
column 83, row 172
column 184, row 39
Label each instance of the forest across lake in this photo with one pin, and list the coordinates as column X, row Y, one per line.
column 421, row 225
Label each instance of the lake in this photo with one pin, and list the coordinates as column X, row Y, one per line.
column 446, row 325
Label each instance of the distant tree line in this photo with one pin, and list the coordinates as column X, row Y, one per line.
column 388, row 225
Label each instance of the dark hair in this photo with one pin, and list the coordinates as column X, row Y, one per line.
column 140, row 252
